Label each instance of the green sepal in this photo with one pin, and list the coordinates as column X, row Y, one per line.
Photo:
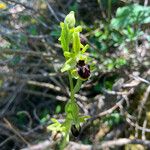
column 84, row 118
column 80, row 56
column 69, row 64
column 74, row 73
column 78, row 29
column 85, row 48
column 81, row 46
column 67, row 54
column 76, row 42
column 65, row 36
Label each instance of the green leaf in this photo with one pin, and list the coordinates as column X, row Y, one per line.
column 120, row 62
column 77, row 86
column 129, row 15
column 58, row 109
column 113, row 119
column 72, row 111
column 56, row 126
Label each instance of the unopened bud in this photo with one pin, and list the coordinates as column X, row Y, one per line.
column 70, row 19
column 75, row 131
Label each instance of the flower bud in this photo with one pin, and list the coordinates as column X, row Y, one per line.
column 75, row 131
column 83, row 41
column 70, row 20
column 83, row 69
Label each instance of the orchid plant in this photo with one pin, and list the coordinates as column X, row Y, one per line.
column 78, row 69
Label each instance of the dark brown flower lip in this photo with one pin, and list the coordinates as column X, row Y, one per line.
column 81, row 63
column 83, row 69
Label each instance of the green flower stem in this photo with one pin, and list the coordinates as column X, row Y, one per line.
column 64, row 141
column 71, row 87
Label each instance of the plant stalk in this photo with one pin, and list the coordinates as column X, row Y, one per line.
column 71, row 87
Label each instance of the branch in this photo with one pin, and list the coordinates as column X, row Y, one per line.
column 123, row 141
column 76, row 146
column 29, row 76
column 22, row 4
column 24, row 52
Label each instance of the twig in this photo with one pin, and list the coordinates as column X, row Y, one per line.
column 143, row 102
column 47, row 85
column 52, row 97
column 39, row 36
column 41, row 146
column 22, row 4
column 123, row 141
column 29, row 76
column 28, row 115
column 24, row 52
column 143, row 131
column 109, row 111
column 52, row 11
column 140, row 110
column 145, row 2
column 115, row 92
column 140, row 79
column 15, row 131
column 12, row 98
column 5, row 141
column 136, row 125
